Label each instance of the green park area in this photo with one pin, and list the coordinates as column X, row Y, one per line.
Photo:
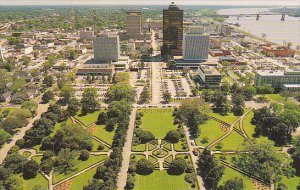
column 89, row 118
column 233, row 142
column 161, row 180
column 83, row 179
column 229, row 118
column 277, row 98
column 78, row 166
column 210, row 131
column 39, row 180
column 158, row 121
column 100, row 132
column 230, row 174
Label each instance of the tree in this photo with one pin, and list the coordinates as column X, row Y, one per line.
column 238, row 104
column 72, row 137
column 47, row 96
column 145, row 95
column 207, row 95
column 84, row 155
column 264, row 162
column 265, row 89
column 72, row 54
column 67, row 93
column 193, row 113
column 14, row 182
column 167, row 97
column 120, row 91
column 64, row 161
column 296, row 155
column 220, row 102
column 249, row 92
column 225, row 88
column 234, row 183
column 102, row 118
column 30, row 169
column 122, row 77
column 30, row 105
column 173, row 136
column 144, row 167
column 4, row 136
column 15, row 162
column 73, row 107
column 209, row 169
column 48, row 80
column 89, row 102
column 236, row 88
column 144, row 136
column 277, row 122
column 177, row 166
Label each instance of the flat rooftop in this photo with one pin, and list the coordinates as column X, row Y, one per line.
column 277, row 73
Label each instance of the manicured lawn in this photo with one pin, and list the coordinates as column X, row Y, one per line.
column 89, row 118
column 233, row 142
column 275, row 97
column 229, row 118
column 139, row 148
column 249, row 128
column 180, row 146
column 291, row 183
column 83, row 179
column 37, row 158
column 137, row 157
column 39, row 180
column 230, row 174
column 211, row 130
column 79, row 166
column 26, row 153
column 96, row 144
column 159, row 180
column 158, row 121
column 103, row 134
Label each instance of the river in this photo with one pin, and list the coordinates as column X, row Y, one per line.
column 276, row 30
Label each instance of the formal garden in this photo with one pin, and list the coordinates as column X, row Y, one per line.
column 161, row 142
column 78, row 166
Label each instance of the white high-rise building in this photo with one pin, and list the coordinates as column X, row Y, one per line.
column 195, row 44
column 106, row 48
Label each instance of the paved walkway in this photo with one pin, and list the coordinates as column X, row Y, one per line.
column 81, row 172
column 122, row 177
column 156, row 83
column 194, row 158
column 4, row 150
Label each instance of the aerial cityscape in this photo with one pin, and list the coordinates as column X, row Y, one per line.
column 160, row 96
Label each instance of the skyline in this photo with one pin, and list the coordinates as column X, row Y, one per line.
column 154, row 2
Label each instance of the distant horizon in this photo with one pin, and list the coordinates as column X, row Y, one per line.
column 269, row 3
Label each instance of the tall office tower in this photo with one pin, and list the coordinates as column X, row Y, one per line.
column 195, row 44
column 134, row 22
column 106, row 48
column 172, row 31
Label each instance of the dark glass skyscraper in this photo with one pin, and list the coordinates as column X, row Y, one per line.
column 172, row 31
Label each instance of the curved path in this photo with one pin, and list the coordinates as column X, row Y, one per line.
column 230, row 130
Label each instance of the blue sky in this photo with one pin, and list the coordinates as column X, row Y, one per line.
column 147, row 2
